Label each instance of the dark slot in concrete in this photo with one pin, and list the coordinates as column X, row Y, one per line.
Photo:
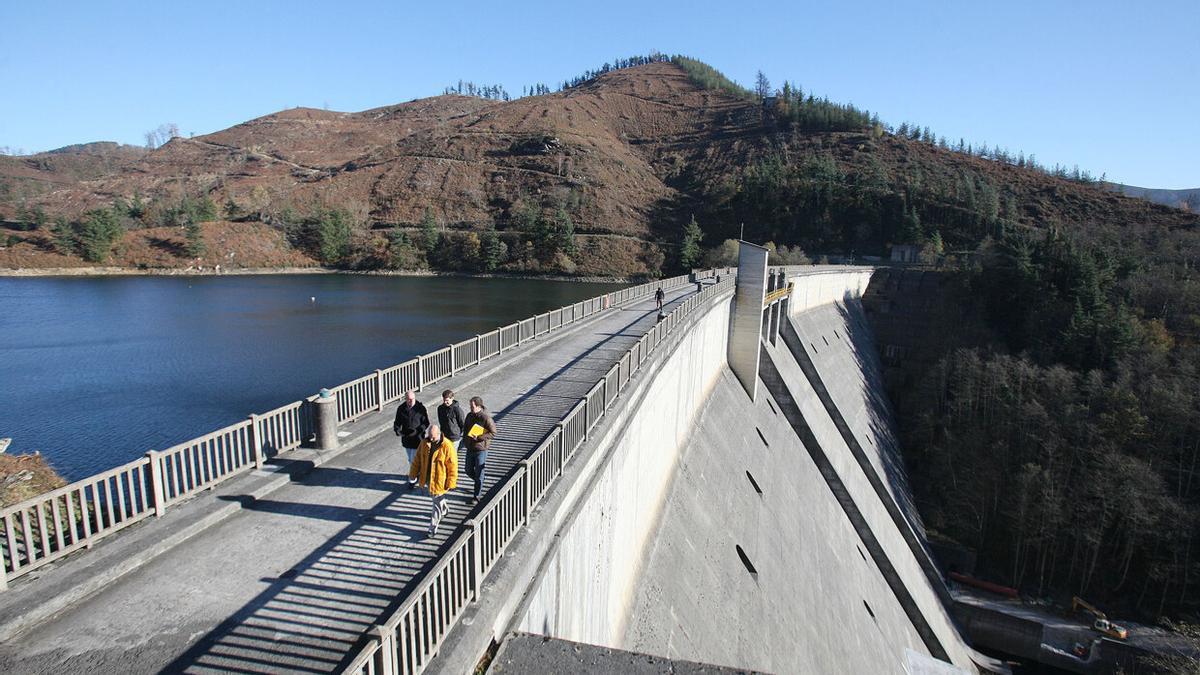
column 746, row 561
column 754, row 482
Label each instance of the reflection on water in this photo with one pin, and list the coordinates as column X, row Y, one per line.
column 95, row 371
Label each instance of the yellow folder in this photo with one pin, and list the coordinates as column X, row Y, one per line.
column 475, row 431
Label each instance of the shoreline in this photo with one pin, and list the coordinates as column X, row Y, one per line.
column 26, row 272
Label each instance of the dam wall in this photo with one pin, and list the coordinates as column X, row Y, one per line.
column 586, row 590
column 758, row 564
column 701, row 526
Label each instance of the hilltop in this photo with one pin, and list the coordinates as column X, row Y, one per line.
column 596, row 179
column 1182, row 199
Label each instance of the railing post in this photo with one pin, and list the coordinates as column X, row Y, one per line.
column 256, row 441
column 387, row 649
column 587, row 418
column 562, row 447
column 420, row 373
column 478, row 350
column 379, row 388
column 452, row 368
column 156, row 483
column 476, row 560
column 528, row 497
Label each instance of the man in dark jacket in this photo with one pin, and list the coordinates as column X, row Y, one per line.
column 479, row 430
column 451, row 418
column 412, row 421
column 659, row 296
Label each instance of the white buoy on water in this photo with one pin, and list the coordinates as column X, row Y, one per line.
column 312, row 298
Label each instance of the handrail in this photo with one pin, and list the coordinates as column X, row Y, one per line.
column 407, row 640
column 47, row 527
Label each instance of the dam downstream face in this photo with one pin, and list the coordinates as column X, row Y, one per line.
column 99, row 370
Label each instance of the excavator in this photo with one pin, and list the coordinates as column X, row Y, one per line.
column 1101, row 623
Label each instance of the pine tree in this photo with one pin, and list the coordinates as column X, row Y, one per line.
column 492, row 250
column 195, row 240
column 564, row 232
column 689, row 246
column 137, row 207
column 402, row 255
column 64, row 236
column 205, row 210
column 97, row 234
column 232, row 210
column 430, row 237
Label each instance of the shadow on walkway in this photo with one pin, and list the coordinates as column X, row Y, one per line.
column 311, row 618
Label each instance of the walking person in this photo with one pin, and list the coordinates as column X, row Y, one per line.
column 435, row 468
column 412, row 422
column 451, row 418
column 480, row 430
column 659, row 296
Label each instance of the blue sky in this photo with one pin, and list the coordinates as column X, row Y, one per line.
column 1111, row 86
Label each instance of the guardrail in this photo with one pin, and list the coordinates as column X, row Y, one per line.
column 405, row 643
column 50, row 526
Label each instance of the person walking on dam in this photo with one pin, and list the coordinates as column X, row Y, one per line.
column 412, row 421
column 480, row 430
column 451, row 417
column 659, row 296
column 435, row 468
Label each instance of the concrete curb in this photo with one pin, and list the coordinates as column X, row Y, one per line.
column 25, row 606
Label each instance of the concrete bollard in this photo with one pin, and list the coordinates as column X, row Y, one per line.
column 325, row 417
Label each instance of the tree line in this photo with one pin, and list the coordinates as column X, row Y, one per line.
column 1066, row 451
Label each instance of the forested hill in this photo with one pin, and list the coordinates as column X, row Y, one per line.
column 600, row 177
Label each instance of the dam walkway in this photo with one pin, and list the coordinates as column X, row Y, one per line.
column 295, row 575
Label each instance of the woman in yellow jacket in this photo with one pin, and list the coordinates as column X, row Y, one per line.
column 435, row 468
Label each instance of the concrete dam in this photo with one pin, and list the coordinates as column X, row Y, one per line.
column 717, row 483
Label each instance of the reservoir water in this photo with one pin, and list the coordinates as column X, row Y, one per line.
column 95, row 371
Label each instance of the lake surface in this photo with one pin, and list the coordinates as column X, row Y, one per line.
column 95, row 371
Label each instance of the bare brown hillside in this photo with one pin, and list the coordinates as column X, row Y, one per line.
column 632, row 153
column 27, row 177
column 231, row 245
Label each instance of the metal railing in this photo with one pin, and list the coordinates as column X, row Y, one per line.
column 405, row 643
column 43, row 529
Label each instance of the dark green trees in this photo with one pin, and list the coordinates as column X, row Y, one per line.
column 689, row 244
column 96, row 234
column 429, row 232
column 332, row 236
column 491, row 250
column 194, row 236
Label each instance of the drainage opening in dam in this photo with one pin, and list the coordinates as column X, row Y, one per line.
column 746, row 561
column 764, row 438
column 754, row 482
column 869, row 610
column 772, row 407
